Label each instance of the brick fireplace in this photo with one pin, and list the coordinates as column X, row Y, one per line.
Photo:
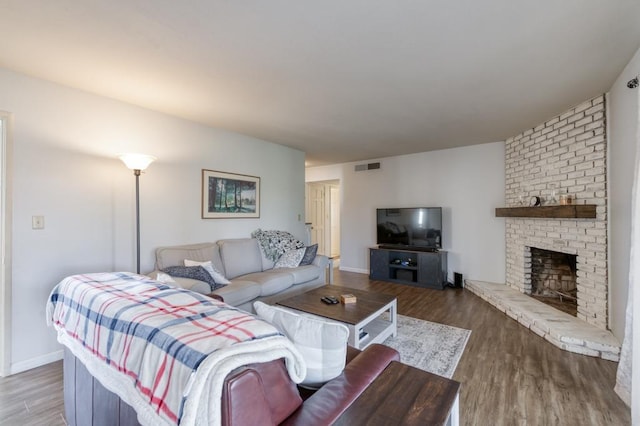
column 565, row 155
column 554, row 278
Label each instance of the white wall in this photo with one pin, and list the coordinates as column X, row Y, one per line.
column 623, row 131
column 468, row 183
column 65, row 168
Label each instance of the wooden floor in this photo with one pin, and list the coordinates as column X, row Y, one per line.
column 509, row 375
column 33, row 398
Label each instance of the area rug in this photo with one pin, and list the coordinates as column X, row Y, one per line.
column 429, row 346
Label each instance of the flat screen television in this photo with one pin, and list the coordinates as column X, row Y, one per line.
column 410, row 227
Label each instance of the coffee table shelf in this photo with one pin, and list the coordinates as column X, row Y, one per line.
column 379, row 327
column 374, row 313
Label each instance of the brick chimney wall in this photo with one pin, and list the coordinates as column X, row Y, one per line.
column 568, row 154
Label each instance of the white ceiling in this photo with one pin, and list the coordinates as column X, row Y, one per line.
column 342, row 80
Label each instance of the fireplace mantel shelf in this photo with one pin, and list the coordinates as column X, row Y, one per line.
column 574, row 211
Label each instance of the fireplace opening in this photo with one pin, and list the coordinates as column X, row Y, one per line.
column 553, row 279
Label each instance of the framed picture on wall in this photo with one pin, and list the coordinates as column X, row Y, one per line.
column 229, row 195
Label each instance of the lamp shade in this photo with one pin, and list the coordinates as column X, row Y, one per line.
column 137, row 161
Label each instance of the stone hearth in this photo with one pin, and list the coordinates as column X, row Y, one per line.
column 556, row 327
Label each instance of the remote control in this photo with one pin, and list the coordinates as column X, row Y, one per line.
column 329, row 300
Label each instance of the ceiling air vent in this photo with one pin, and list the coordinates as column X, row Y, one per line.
column 370, row 166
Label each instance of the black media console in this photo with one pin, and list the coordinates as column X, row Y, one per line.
column 414, row 267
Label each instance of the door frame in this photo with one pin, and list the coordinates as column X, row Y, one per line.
column 6, row 138
column 327, row 185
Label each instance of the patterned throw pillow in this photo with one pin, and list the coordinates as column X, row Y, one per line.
column 193, row 272
column 208, row 266
column 309, row 255
column 290, row 259
column 322, row 344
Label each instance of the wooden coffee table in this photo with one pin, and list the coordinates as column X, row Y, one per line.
column 372, row 319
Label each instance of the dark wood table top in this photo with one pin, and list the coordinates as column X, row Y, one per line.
column 351, row 313
column 403, row 395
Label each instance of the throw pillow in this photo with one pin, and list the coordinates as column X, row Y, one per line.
column 323, row 344
column 165, row 278
column 217, row 276
column 193, row 272
column 309, row 255
column 290, row 259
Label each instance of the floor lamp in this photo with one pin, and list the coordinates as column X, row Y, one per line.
column 138, row 163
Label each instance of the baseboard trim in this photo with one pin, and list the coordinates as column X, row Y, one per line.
column 358, row 270
column 39, row 361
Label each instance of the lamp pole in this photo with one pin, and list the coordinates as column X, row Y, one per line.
column 137, row 163
column 137, row 172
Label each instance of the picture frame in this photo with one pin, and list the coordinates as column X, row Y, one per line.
column 229, row 195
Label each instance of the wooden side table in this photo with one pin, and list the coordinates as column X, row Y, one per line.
column 408, row 396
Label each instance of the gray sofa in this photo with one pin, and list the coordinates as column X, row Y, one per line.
column 252, row 275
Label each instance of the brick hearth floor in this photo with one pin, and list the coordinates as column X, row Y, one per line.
column 561, row 329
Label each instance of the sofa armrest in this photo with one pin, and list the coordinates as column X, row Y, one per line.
column 321, row 261
column 332, row 399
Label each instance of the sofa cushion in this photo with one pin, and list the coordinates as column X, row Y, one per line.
column 193, row 285
column 175, row 256
column 240, row 256
column 303, row 274
column 239, row 292
column 323, row 344
column 272, row 281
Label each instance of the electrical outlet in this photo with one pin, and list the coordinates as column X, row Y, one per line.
column 37, row 222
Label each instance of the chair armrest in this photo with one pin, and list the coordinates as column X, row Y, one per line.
column 259, row 394
column 332, row 399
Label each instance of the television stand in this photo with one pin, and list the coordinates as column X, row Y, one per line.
column 407, row 248
column 418, row 268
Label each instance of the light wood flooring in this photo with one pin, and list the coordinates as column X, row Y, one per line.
column 33, row 398
column 509, row 375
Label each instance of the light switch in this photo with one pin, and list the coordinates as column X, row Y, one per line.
column 37, row 222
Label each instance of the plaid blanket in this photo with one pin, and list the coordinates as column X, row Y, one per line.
column 163, row 350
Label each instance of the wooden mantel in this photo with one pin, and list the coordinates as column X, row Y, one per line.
column 573, row 211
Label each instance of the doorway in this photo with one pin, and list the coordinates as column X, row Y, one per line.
column 323, row 215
